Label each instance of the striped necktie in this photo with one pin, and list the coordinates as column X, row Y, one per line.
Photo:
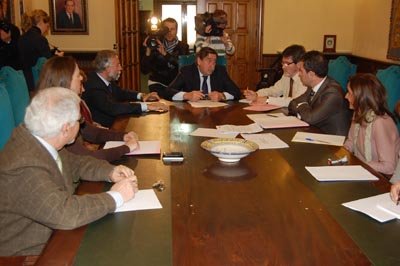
column 204, row 87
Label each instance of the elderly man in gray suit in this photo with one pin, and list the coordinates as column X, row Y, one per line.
column 38, row 177
column 323, row 104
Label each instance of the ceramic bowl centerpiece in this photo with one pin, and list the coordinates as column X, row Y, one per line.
column 229, row 150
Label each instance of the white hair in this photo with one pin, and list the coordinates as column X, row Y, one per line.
column 50, row 109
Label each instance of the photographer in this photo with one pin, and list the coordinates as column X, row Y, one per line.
column 214, row 35
column 9, row 35
column 161, row 56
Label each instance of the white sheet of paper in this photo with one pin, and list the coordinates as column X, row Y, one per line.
column 390, row 207
column 340, row 173
column 244, row 101
column 212, row 133
column 247, row 129
column 277, row 120
column 266, row 140
column 314, row 138
column 369, row 206
column 206, row 103
column 145, row 147
column 145, row 199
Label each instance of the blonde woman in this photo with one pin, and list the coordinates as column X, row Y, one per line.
column 33, row 44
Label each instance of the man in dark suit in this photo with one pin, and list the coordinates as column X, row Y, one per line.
column 106, row 99
column 68, row 18
column 203, row 80
column 323, row 104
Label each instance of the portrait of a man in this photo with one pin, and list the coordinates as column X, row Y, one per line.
column 5, row 10
column 68, row 18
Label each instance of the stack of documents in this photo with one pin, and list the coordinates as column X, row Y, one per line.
column 315, row 138
column 212, row 133
column 207, row 103
column 277, row 120
column 247, row 129
column 145, row 147
column 341, row 173
column 266, row 141
column 262, row 107
column 379, row 207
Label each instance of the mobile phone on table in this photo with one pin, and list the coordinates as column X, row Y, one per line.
column 174, row 156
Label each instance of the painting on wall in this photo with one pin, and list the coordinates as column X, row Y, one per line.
column 69, row 17
column 394, row 34
column 6, row 10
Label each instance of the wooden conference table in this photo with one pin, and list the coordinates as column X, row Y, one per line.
column 265, row 210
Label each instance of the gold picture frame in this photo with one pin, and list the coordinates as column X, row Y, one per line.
column 394, row 33
column 63, row 23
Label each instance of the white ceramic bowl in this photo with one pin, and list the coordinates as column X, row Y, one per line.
column 229, row 150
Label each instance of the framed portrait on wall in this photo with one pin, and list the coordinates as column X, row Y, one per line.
column 6, row 10
column 329, row 44
column 394, row 33
column 69, row 17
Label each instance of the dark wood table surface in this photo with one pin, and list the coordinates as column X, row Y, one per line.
column 265, row 210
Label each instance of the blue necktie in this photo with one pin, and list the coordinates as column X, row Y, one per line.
column 204, row 87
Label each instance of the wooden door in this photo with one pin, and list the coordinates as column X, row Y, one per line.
column 244, row 27
column 127, row 31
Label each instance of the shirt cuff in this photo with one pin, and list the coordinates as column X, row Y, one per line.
column 119, row 201
column 228, row 96
column 139, row 96
column 144, row 107
column 300, row 104
column 178, row 96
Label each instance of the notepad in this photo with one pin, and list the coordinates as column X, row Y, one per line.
column 145, row 199
column 314, row 138
column 145, row 147
column 277, row 120
column 341, row 173
column 206, row 103
column 369, row 206
column 266, row 141
column 245, row 129
column 212, row 133
column 261, row 107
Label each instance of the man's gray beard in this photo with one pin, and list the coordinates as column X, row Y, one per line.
column 116, row 77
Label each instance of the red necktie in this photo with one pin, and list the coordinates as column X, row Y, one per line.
column 85, row 112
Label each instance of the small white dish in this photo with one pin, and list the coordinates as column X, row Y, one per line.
column 229, row 150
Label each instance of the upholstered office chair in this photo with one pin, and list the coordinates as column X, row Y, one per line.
column 189, row 59
column 6, row 116
column 340, row 69
column 185, row 60
column 390, row 78
column 37, row 68
column 15, row 84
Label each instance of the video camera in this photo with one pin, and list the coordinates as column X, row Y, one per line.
column 206, row 19
column 155, row 32
column 5, row 26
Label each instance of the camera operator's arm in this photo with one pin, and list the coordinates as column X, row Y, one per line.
column 203, row 41
column 229, row 47
column 146, row 61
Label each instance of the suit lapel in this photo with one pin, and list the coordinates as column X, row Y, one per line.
column 196, row 78
column 321, row 89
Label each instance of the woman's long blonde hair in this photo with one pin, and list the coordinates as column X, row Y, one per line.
column 30, row 19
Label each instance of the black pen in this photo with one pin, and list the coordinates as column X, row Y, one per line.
column 272, row 115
